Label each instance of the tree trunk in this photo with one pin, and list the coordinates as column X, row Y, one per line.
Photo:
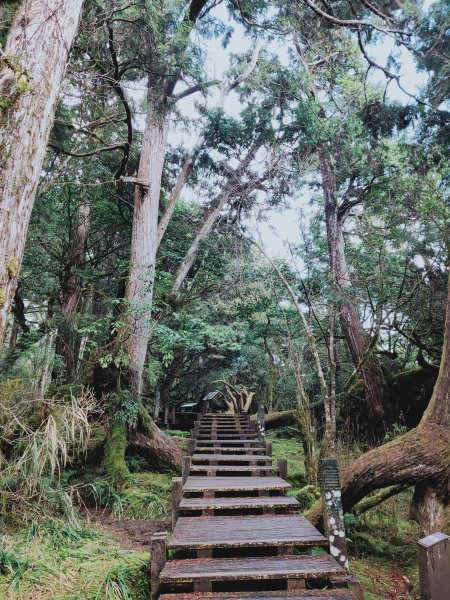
column 67, row 346
column 32, row 68
column 212, row 213
column 210, row 218
column 158, row 448
column 190, row 160
column 421, row 457
column 139, row 291
column 45, row 377
column 375, row 388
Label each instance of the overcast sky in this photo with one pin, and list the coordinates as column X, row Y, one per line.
column 282, row 227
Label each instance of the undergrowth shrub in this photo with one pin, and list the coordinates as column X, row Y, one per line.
column 33, row 472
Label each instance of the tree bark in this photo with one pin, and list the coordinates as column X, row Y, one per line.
column 135, row 334
column 421, row 457
column 375, row 388
column 32, row 68
column 158, row 448
column 66, row 345
column 139, row 290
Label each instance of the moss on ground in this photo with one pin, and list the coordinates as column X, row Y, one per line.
column 291, row 449
column 148, row 496
column 61, row 562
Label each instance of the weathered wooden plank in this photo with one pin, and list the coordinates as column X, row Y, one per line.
column 224, row 435
column 158, row 551
column 282, row 595
column 229, row 449
column 248, row 531
column 245, row 502
column 434, row 566
column 229, row 458
column 266, row 567
column 232, row 468
column 252, row 443
column 233, row 484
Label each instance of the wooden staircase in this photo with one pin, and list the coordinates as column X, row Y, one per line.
column 236, row 533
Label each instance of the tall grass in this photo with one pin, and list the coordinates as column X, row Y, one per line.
column 32, row 472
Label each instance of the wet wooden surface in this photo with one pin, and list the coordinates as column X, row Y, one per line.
column 233, row 484
column 230, row 458
column 303, row 595
column 245, row 502
column 266, row 567
column 231, row 471
column 234, row 532
column 232, row 468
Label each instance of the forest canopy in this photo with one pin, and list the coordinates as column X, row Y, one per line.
column 248, row 196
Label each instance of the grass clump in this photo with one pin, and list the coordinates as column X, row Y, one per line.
column 54, row 560
column 147, row 497
column 291, row 449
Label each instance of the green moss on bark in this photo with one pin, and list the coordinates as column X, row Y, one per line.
column 114, row 459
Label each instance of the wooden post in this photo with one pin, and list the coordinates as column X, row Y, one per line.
column 173, row 416
column 434, row 566
column 193, row 434
column 350, row 583
column 261, row 422
column 166, row 417
column 191, row 446
column 269, row 448
column 282, row 468
column 177, row 492
column 186, row 467
column 158, row 551
column 333, row 512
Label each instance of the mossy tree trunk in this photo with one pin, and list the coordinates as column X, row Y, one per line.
column 421, row 457
column 133, row 339
column 32, row 68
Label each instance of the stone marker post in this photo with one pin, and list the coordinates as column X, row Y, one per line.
column 332, row 506
column 261, row 422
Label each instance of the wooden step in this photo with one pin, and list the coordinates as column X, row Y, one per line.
column 209, row 442
column 284, row 595
column 229, row 458
column 232, row 468
column 219, row 435
column 194, row 533
column 265, row 567
column 230, row 449
column 234, row 484
column 250, row 502
column 223, row 418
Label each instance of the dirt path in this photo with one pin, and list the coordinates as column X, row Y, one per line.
column 131, row 534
